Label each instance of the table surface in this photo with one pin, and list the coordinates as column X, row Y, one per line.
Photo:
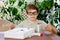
column 44, row 37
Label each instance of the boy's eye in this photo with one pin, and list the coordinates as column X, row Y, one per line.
column 34, row 13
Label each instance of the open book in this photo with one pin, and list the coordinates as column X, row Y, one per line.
column 19, row 33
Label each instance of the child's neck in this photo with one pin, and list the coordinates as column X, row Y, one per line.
column 32, row 21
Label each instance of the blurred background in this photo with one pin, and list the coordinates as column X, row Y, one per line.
column 14, row 11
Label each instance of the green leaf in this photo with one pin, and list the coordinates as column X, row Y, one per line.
column 10, row 9
column 4, row 11
column 56, row 14
column 19, row 17
column 20, row 3
column 12, row 1
column 14, row 11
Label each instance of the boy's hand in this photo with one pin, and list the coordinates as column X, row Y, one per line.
column 48, row 27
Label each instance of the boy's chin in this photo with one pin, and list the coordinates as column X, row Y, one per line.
column 33, row 19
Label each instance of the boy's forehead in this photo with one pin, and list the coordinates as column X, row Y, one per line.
column 32, row 10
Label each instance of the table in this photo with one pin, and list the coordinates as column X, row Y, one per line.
column 44, row 37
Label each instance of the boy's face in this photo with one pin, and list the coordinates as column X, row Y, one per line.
column 32, row 14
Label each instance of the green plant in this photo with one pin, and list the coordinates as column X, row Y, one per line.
column 13, row 12
column 44, row 8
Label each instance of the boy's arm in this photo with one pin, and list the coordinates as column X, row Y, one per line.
column 51, row 28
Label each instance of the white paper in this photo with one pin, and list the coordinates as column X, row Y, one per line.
column 38, row 34
column 17, row 33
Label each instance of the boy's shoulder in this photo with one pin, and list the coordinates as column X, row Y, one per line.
column 40, row 21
